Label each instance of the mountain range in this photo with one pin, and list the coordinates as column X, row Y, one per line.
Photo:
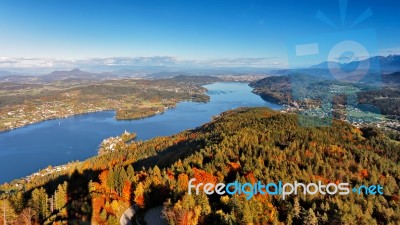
column 386, row 64
column 375, row 69
column 377, row 65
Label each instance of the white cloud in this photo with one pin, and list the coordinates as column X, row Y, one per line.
column 115, row 62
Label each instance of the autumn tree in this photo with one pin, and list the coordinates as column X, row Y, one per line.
column 139, row 195
column 39, row 202
column 26, row 216
column 61, row 196
column 7, row 212
column 126, row 191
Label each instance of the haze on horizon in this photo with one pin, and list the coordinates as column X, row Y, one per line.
column 65, row 34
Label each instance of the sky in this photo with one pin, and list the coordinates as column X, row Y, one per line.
column 51, row 33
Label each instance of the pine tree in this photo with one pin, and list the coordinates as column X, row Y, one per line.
column 18, row 202
column 247, row 214
column 310, row 218
column 110, row 179
column 130, row 172
column 156, row 171
column 60, row 196
column 119, row 179
column 289, row 219
column 296, row 208
column 38, row 202
column 8, row 214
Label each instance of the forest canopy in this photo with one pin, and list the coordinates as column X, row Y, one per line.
column 246, row 144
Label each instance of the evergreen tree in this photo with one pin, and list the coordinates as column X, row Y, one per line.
column 310, row 218
column 130, row 172
column 247, row 214
column 39, row 202
column 111, row 179
column 119, row 179
column 60, row 196
column 296, row 208
column 18, row 202
column 8, row 214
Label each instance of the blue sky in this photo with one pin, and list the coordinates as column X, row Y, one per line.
column 190, row 31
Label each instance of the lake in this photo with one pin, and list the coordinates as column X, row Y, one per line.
column 25, row 150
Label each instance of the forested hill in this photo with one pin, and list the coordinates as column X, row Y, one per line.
column 300, row 89
column 247, row 144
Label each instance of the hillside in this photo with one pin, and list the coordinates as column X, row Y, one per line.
column 281, row 89
column 248, row 145
column 391, row 78
column 305, row 91
column 277, row 89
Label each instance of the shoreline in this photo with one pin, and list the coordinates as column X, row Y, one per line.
column 194, row 100
column 55, row 118
column 163, row 110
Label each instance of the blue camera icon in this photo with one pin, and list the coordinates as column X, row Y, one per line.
column 330, row 65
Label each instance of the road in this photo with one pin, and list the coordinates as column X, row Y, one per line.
column 127, row 216
column 152, row 216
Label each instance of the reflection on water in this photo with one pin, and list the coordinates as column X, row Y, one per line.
column 26, row 150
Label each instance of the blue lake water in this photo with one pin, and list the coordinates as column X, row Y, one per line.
column 25, row 150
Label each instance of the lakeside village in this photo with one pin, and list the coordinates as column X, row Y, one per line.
column 354, row 115
column 52, row 110
column 49, row 170
column 350, row 113
column 107, row 145
column 58, row 110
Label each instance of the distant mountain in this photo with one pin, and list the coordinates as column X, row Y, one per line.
column 7, row 73
column 19, row 79
column 196, row 79
column 391, row 78
column 373, row 70
column 386, row 64
column 75, row 74
column 390, row 63
column 15, row 77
